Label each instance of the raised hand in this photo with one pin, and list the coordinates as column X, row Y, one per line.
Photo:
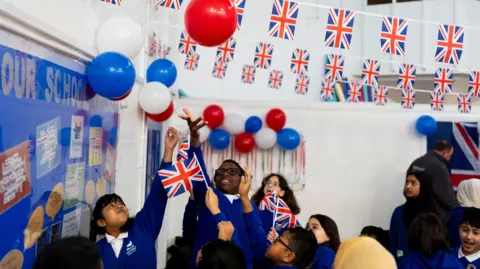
column 272, row 235
column 245, row 184
column 194, row 125
column 211, row 201
column 171, row 138
column 225, row 230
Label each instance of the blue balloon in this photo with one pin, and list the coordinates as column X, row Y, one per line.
column 96, row 121
column 163, row 71
column 253, row 124
column 111, row 75
column 219, row 139
column 288, row 139
column 426, row 125
column 64, row 136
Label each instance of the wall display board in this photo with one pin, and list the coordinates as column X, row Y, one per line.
column 57, row 149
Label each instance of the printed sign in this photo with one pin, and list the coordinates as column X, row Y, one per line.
column 48, row 150
column 95, row 147
column 110, row 158
column 76, row 137
column 74, row 184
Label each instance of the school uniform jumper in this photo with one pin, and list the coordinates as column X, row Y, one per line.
column 442, row 260
column 138, row 248
column 453, row 226
column 324, row 258
column 473, row 259
column 398, row 235
column 232, row 210
column 189, row 225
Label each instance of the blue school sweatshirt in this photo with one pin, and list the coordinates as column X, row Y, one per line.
column 138, row 249
column 207, row 224
column 398, row 235
column 463, row 260
column 324, row 258
column 189, row 225
column 453, row 226
column 266, row 217
column 442, row 260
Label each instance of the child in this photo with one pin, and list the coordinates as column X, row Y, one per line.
column 227, row 181
column 72, row 253
column 469, row 252
column 328, row 240
column 428, row 244
column 295, row 248
column 468, row 195
column 419, row 195
column 363, row 253
column 221, row 254
column 130, row 242
column 277, row 183
column 378, row 234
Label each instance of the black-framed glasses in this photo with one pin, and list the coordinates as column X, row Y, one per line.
column 283, row 243
column 229, row 171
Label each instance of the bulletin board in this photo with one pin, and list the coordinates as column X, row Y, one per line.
column 57, row 149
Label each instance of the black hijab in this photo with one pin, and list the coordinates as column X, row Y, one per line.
column 424, row 202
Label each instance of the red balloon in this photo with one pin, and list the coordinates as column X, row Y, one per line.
column 210, row 22
column 123, row 97
column 165, row 115
column 213, row 115
column 244, row 142
column 276, row 119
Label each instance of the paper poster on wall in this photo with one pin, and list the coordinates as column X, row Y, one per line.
column 71, row 223
column 48, row 150
column 110, row 159
column 76, row 137
column 74, row 184
column 95, row 148
column 14, row 175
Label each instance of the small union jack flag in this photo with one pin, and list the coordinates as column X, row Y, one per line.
column 173, row 4
column 370, row 72
column 327, row 93
column 380, row 98
column 300, row 59
column 394, row 35
column 406, row 76
column 275, row 79
column 263, row 55
column 334, row 67
column 115, row 2
column 180, row 177
column 474, row 84
column 220, row 69
column 268, row 202
column 240, row 6
column 183, row 149
column 186, row 44
column 248, row 74
column 284, row 217
column 437, row 100
column 354, row 92
column 443, row 80
column 153, row 45
column 283, row 19
column 191, row 62
column 464, row 103
column 408, row 98
column 449, row 44
column 339, row 28
column 301, row 84
column 226, row 51
column 163, row 50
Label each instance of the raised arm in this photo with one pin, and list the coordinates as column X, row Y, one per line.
column 171, row 141
column 190, row 220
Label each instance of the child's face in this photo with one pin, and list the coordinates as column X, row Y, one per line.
column 273, row 184
column 115, row 215
column 279, row 252
column 412, row 187
column 317, row 229
column 470, row 237
column 227, row 178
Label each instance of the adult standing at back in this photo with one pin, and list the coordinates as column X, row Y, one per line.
column 435, row 164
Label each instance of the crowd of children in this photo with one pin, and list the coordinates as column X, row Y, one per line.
column 223, row 228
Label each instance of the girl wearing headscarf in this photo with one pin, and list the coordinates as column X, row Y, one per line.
column 363, row 253
column 468, row 195
column 420, row 198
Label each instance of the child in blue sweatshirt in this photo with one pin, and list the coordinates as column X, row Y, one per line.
column 469, row 252
column 295, row 248
column 129, row 243
column 278, row 184
column 227, row 180
column 428, row 244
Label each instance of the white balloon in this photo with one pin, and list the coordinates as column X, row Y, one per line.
column 154, row 98
column 234, row 123
column 265, row 138
column 204, row 134
column 121, row 34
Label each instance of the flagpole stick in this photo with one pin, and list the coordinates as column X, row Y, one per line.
column 276, row 208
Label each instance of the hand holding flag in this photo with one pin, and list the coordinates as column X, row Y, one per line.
column 245, row 184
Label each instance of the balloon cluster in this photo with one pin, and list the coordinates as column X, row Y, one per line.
column 249, row 132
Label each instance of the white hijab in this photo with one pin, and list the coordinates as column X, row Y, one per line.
column 468, row 193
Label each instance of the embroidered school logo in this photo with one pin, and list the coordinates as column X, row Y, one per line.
column 131, row 248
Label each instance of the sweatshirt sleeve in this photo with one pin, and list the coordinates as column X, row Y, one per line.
column 257, row 236
column 190, row 221
column 393, row 235
column 200, row 190
column 442, row 185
